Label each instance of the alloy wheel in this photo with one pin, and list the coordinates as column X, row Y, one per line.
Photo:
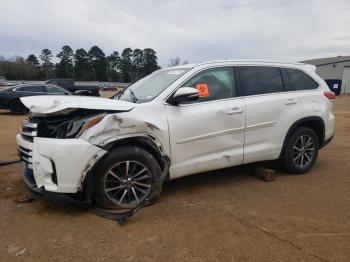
column 127, row 183
column 303, row 151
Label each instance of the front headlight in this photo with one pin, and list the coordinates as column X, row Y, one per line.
column 77, row 127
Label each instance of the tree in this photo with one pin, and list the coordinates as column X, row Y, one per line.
column 82, row 65
column 129, row 66
column 126, row 64
column 113, row 66
column 45, row 57
column 65, row 67
column 17, row 69
column 176, row 61
column 150, row 61
column 98, row 62
column 32, row 60
column 138, row 61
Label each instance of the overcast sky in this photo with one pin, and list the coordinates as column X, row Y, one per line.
column 194, row 30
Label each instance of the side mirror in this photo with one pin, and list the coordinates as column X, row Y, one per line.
column 184, row 94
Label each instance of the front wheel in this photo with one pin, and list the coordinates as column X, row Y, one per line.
column 17, row 108
column 125, row 178
column 301, row 151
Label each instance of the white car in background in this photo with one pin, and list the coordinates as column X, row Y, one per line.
column 177, row 121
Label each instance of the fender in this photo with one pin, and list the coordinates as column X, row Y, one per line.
column 314, row 122
column 143, row 140
column 137, row 136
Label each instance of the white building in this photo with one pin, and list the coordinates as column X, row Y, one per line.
column 337, row 68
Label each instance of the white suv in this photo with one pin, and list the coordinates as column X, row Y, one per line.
column 176, row 122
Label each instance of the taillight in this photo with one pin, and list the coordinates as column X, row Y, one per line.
column 330, row 95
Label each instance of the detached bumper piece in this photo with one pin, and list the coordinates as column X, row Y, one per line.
column 82, row 201
column 326, row 142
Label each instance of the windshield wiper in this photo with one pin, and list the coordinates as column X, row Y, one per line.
column 120, row 93
column 133, row 96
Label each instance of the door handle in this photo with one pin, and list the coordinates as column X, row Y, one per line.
column 290, row 102
column 235, row 110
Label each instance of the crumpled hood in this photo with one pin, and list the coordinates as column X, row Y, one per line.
column 43, row 105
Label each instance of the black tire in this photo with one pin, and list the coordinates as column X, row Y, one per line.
column 298, row 158
column 17, row 108
column 115, row 161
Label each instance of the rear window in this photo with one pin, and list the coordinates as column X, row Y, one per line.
column 298, row 80
column 261, row 80
column 65, row 82
column 52, row 82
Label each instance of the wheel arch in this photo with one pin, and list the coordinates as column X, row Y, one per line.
column 17, row 100
column 12, row 100
column 316, row 123
column 144, row 141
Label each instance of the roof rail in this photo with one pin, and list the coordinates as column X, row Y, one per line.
column 250, row 60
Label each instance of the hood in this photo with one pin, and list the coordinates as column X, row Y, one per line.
column 44, row 105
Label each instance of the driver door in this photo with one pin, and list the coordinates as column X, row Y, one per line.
column 207, row 134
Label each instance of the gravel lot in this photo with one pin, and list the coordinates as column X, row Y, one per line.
column 225, row 215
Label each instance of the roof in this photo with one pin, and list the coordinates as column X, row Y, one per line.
column 327, row 60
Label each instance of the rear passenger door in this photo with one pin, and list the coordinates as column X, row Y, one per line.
column 298, row 83
column 269, row 111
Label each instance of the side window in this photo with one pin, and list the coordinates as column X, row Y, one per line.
column 261, row 80
column 298, row 80
column 34, row 89
column 214, row 84
column 54, row 90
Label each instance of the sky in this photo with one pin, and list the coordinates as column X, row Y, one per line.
column 195, row 30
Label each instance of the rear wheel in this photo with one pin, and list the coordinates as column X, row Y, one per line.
column 301, row 151
column 17, row 108
column 125, row 178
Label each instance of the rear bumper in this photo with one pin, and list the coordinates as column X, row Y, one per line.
column 82, row 200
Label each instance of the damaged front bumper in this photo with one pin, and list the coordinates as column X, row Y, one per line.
column 82, row 200
column 57, row 165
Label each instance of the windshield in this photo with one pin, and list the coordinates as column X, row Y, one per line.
column 149, row 87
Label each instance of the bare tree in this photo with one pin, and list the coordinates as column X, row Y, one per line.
column 176, row 61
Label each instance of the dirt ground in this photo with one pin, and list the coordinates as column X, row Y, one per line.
column 225, row 215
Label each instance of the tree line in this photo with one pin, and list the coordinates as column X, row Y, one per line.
column 92, row 65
